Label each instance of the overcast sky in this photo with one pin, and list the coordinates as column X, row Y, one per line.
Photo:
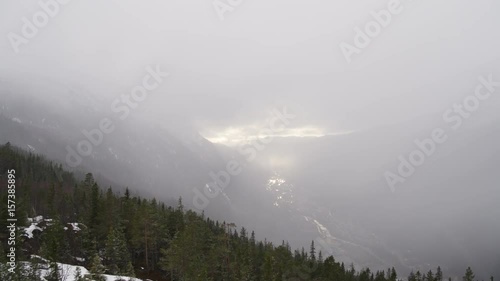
column 264, row 54
column 227, row 76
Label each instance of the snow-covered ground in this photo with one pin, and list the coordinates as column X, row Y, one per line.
column 35, row 225
column 68, row 272
column 28, row 232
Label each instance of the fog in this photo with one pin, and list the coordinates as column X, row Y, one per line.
column 327, row 166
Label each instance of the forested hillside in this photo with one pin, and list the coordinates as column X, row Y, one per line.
column 76, row 221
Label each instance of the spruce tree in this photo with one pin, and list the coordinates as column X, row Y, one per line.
column 412, row 277
column 129, row 270
column 54, row 245
column 117, row 256
column 429, row 276
column 439, row 274
column 78, row 275
column 393, row 276
column 312, row 252
column 97, row 269
column 469, row 275
column 418, row 276
column 54, row 273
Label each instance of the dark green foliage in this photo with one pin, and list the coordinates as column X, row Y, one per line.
column 96, row 268
column 469, row 275
column 55, row 246
column 439, row 274
column 78, row 275
column 54, row 273
column 117, row 256
column 429, row 276
column 129, row 235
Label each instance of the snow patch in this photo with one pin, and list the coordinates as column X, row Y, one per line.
column 113, row 153
column 75, row 227
column 68, row 271
column 31, row 148
column 35, row 219
column 28, row 232
column 40, row 258
column 116, row 277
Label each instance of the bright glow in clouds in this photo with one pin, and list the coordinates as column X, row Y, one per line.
column 237, row 135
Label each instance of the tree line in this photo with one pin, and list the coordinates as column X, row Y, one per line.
column 111, row 232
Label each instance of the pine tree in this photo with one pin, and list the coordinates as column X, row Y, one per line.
column 429, row 276
column 380, row 276
column 312, row 252
column 89, row 180
column 97, row 269
column 54, row 274
column 439, row 274
column 117, row 256
column 94, row 210
column 418, row 276
column 469, row 275
column 112, row 255
column 393, row 276
column 252, row 239
column 129, row 270
column 412, row 277
column 78, row 275
column 55, row 246
column 268, row 268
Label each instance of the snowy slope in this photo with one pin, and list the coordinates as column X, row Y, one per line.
column 67, row 272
